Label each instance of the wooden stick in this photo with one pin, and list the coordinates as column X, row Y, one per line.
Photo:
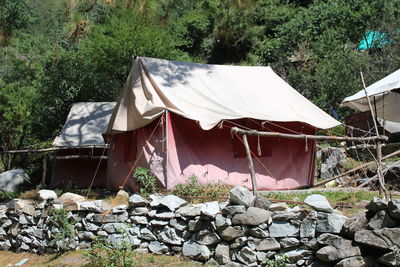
column 356, row 169
column 79, row 157
column 306, row 136
column 50, row 149
column 251, row 165
column 376, row 176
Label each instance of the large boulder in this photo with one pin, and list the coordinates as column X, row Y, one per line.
column 70, row 198
column 222, row 254
column 382, row 239
column 283, row 229
column 10, row 181
column 46, row 194
column 329, row 222
column 240, row 195
column 319, row 203
column 247, row 256
column 210, row 209
column 253, row 216
column 196, row 251
column 267, row 244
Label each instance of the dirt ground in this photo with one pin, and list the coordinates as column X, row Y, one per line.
column 76, row 258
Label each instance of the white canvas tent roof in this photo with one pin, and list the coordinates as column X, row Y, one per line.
column 85, row 124
column 385, row 100
column 209, row 94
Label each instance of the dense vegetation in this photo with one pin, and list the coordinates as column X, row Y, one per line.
column 57, row 52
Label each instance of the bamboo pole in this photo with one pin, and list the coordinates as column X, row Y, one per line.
column 50, row 149
column 306, row 136
column 251, row 165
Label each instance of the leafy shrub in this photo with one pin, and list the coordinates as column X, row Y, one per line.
column 105, row 254
column 146, row 180
column 59, row 218
column 193, row 189
column 7, row 195
column 280, row 260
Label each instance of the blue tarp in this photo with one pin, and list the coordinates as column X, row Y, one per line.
column 373, row 39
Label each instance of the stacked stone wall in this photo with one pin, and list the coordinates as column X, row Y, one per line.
column 244, row 232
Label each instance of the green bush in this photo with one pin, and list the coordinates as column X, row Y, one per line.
column 146, row 180
column 105, row 254
column 280, row 260
column 59, row 218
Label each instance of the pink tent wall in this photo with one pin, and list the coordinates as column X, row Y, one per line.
column 212, row 155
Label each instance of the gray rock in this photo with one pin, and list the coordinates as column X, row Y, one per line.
column 222, row 222
column 232, row 210
column 191, row 210
column 355, row 223
column 253, row 216
column 86, row 236
column 394, row 208
column 262, row 202
column 165, row 215
column 375, row 205
column 119, row 209
column 297, row 254
column 195, row 251
column 330, row 223
column 345, row 248
column 234, row 264
column 146, row 234
column 239, row 242
column 96, row 206
column 46, row 194
column 159, row 222
column 283, row 229
column 307, row 228
column 258, row 232
column 102, row 233
column 230, row 233
column 210, row 209
column 222, row 254
column 278, row 207
column 118, row 239
column 155, row 200
column 137, row 201
column 173, row 202
column 169, row 236
column 206, row 237
column 381, row 220
column 261, row 256
column 247, row 256
column 139, row 211
column 25, row 206
column 178, row 224
column 70, row 199
column 390, row 259
column 328, row 254
column 267, row 244
column 139, row 220
column 240, row 195
column 371, row 239
column 158, row 248
column 351, row 262
column 90, row 226
column 289, row 242
column 103, row 218
column 10, row 181
column 319, row 203
column 5, row 246
column 288, row 215
column 112, row 228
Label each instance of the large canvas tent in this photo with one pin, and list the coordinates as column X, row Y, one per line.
column 84, row 149
column 385, row 100
column 175, row 118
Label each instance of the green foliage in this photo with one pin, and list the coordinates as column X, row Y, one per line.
column 14, row 14
column 105, row 254
column 279, row 260
column 4, row 196
column 59, row 218
column 192, row 189
column 146, row 180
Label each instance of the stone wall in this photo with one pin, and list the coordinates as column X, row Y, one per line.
column 246, row 231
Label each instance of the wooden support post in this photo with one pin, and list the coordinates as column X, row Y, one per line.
column 251, row 166
column 44, row 173
column 381, row 177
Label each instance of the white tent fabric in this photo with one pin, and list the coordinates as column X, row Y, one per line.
column 209, row 94
column 85, row 124
column 384, row 97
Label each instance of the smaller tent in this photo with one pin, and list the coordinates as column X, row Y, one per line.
column 175, row 118
column 385, row 100
column 85, row 150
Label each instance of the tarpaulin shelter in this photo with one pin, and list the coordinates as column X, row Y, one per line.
column 84, row 152
column 175, row 118
column 385, row 100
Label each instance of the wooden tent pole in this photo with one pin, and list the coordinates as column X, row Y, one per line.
column 381, row 178
column 306, row 136
column 44, row 173
column 251, row 165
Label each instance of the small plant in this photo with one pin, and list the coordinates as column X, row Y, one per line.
column 146, row 180
column 280, row 260
column 105, row 254
column 59, row 218
column 7, row 195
